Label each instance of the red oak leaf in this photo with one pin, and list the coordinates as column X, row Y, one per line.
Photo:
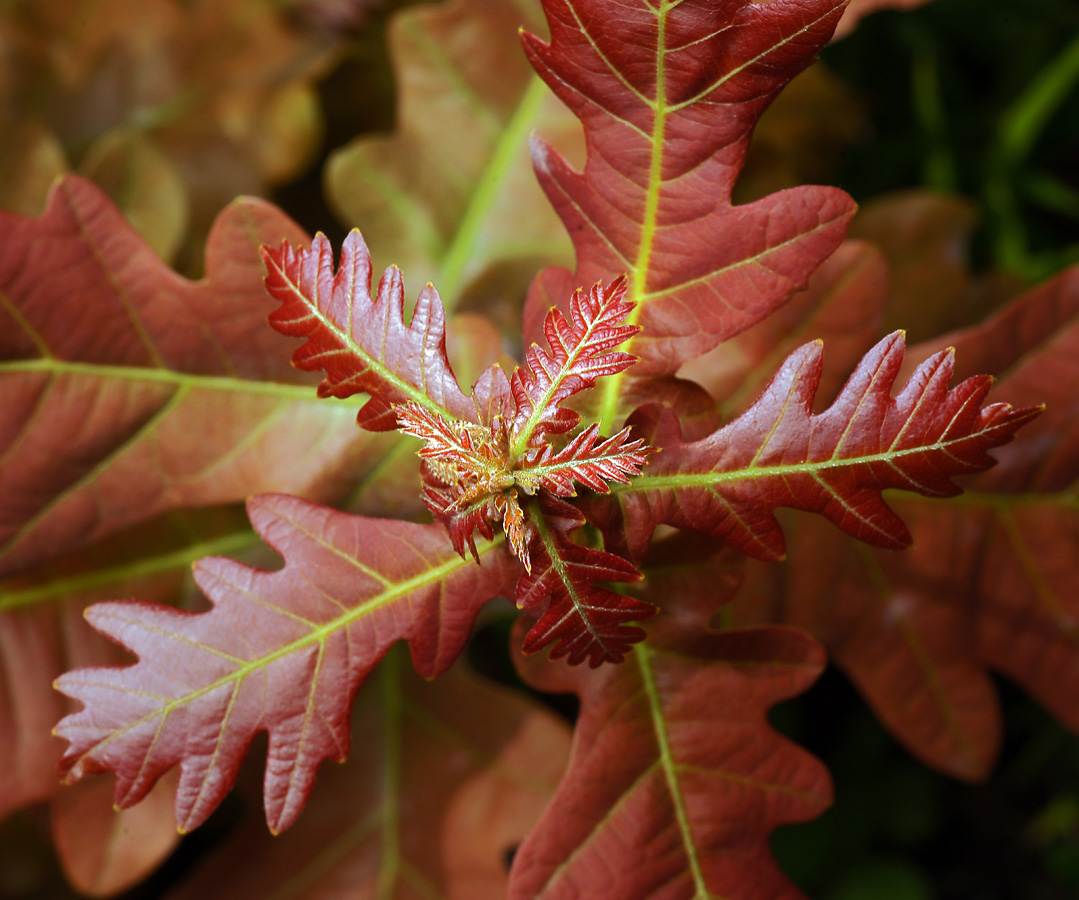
column 589, row 458
column 282, row 652
column 581, row 353
column 676, row 780
column 668, row 95
column 583, row 619
column 362, row 343
column 837, row 462
column 111, row 366
column 472, row 471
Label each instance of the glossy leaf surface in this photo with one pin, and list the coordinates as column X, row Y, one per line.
column 582, row 618
column 282, row 652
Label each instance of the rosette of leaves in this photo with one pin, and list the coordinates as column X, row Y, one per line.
column 592, row 440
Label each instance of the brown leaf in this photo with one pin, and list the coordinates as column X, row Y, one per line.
column 102, row 851
column 225, row 90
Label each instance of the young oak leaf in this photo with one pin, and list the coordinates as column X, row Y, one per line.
column 362, row 343
column 282, row 652
column 473, row 473
column 668, row 94
column 583, row 619
column 676, row 779
column 836, row 463
column 581, row 353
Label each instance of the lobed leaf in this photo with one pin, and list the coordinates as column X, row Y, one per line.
column 111, row 365
column 581, row 353
column 837, row 462
column 668, row 94
column 676, row 779
column 282, row 652
column 360, row 341
column 589, row 458
column 583, row 619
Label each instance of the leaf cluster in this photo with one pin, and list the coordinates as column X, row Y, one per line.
column 705, row 364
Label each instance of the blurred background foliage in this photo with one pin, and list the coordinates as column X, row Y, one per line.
column 956, row 127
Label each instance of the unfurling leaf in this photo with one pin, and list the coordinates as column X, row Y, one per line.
column 473, row 473
column 282, row 652
column 836, row 463
column 581, row 353
column 583, row 619
column 362, row 343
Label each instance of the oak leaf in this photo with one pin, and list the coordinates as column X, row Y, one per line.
column 581, row 617
column 362, row 342
column 450, row 196
column 668, row 96
column 445, row 779
column 837, row 462
column 282, row 652
column 111, row 365
column 676, row 779
column 985, row 585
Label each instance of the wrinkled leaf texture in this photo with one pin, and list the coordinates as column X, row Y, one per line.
column 282, row 652
column 111, row 366
column 668, row 94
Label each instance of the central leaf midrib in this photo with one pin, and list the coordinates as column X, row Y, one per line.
column 642, row 655
column 639, row 280
column 647, row 482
